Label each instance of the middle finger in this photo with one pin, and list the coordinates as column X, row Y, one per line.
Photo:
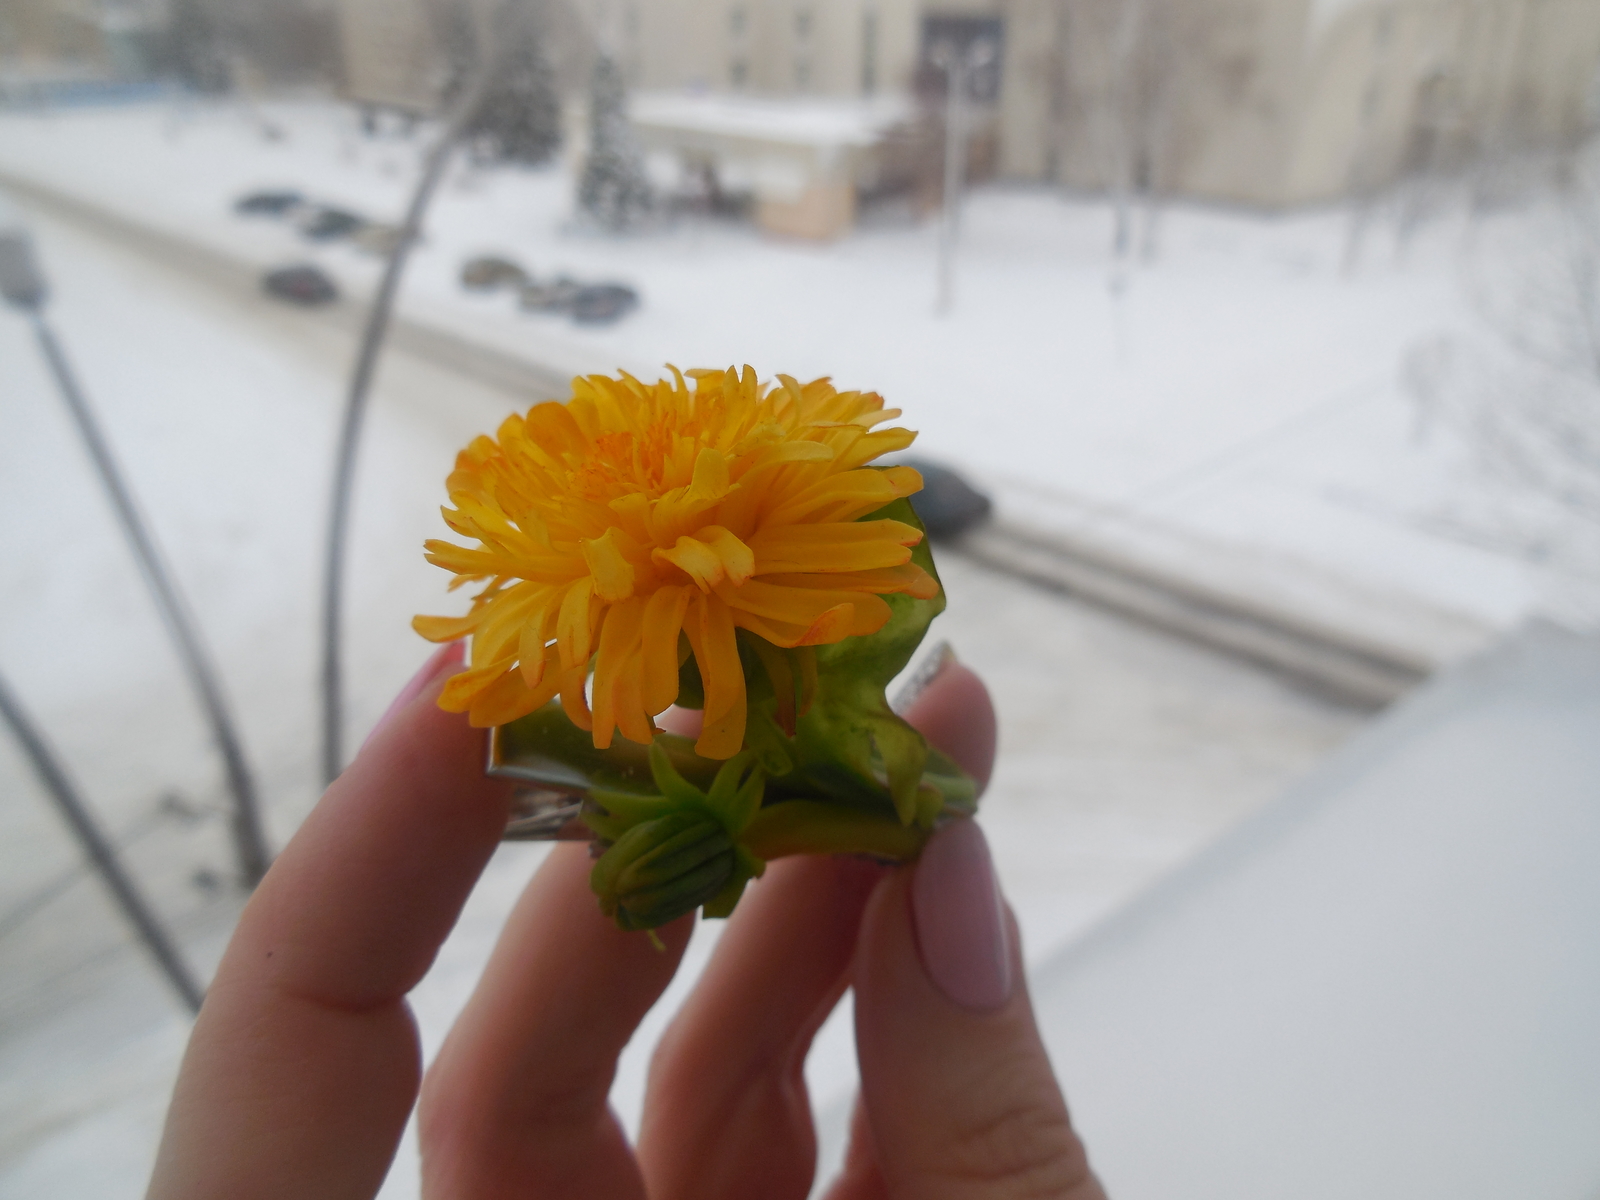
column 726, row 1109
column 516, row 1102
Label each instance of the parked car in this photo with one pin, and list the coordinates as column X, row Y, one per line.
column 268, row 203
column 302, row 283
column 376, row 237
column 603, row 303
column 489, row 273
column 324, row 223
column 553, row 297
column 947, row 504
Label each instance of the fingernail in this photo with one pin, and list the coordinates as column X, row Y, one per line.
column 445, row 657
column 929, row 669
column 960, row 918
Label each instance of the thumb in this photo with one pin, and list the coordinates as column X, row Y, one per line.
column 956, row 1088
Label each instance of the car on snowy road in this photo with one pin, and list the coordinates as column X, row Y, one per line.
column 947, row 505
column 324, row 223
column 490, row 272
column 302, row 284
column 275, row 203
column 603, row 303
column 553, row 297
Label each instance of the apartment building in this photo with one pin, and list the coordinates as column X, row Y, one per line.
column 1269, row 103
column 1284, row 102
column 1263, row 102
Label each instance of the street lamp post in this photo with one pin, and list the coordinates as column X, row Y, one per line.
column 959, row 63
column 460, row 114
column 23, row 286
column 100, row 851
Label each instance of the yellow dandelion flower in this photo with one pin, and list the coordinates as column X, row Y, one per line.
column 608, row 526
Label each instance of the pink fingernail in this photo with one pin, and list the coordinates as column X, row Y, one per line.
column 445, row 657
column 960, row 918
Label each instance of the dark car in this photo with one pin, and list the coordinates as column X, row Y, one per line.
column 603, row 303
column 489, row 273
column 327, row 224
column 553, row 297
column 947, row 504
column 268, row 203
column 300, row 284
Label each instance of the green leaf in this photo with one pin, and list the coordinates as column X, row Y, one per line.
column 547, row 749
column 850, row 732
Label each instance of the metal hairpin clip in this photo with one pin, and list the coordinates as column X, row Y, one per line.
column 547, row 805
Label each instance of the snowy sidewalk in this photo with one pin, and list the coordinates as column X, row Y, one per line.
column 1231, row 415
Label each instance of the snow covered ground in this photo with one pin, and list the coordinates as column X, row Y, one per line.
column 1233, row 408
column 1125, row 750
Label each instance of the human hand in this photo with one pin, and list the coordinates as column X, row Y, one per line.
column 304, row 1063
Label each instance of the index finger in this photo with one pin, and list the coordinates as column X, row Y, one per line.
column 304, row 1061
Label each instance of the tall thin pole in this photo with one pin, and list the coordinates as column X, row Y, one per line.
column 960, row 63
column 249, row 839
column 459, row 115
column 955, row 172
column 100, row 851
column 1130, row 32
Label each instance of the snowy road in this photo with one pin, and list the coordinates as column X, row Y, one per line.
column 1124, row 750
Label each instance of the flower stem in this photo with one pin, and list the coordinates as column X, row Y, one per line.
column 810, row 827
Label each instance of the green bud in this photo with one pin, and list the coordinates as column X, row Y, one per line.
column 660, row 869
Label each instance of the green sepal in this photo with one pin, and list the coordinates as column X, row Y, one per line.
column 763, row 731
column 676, row 851
column 663, row 868
column 612, row 814
column 735, row 796
column 746, row 867
column 850, row 730
column 674, row 787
